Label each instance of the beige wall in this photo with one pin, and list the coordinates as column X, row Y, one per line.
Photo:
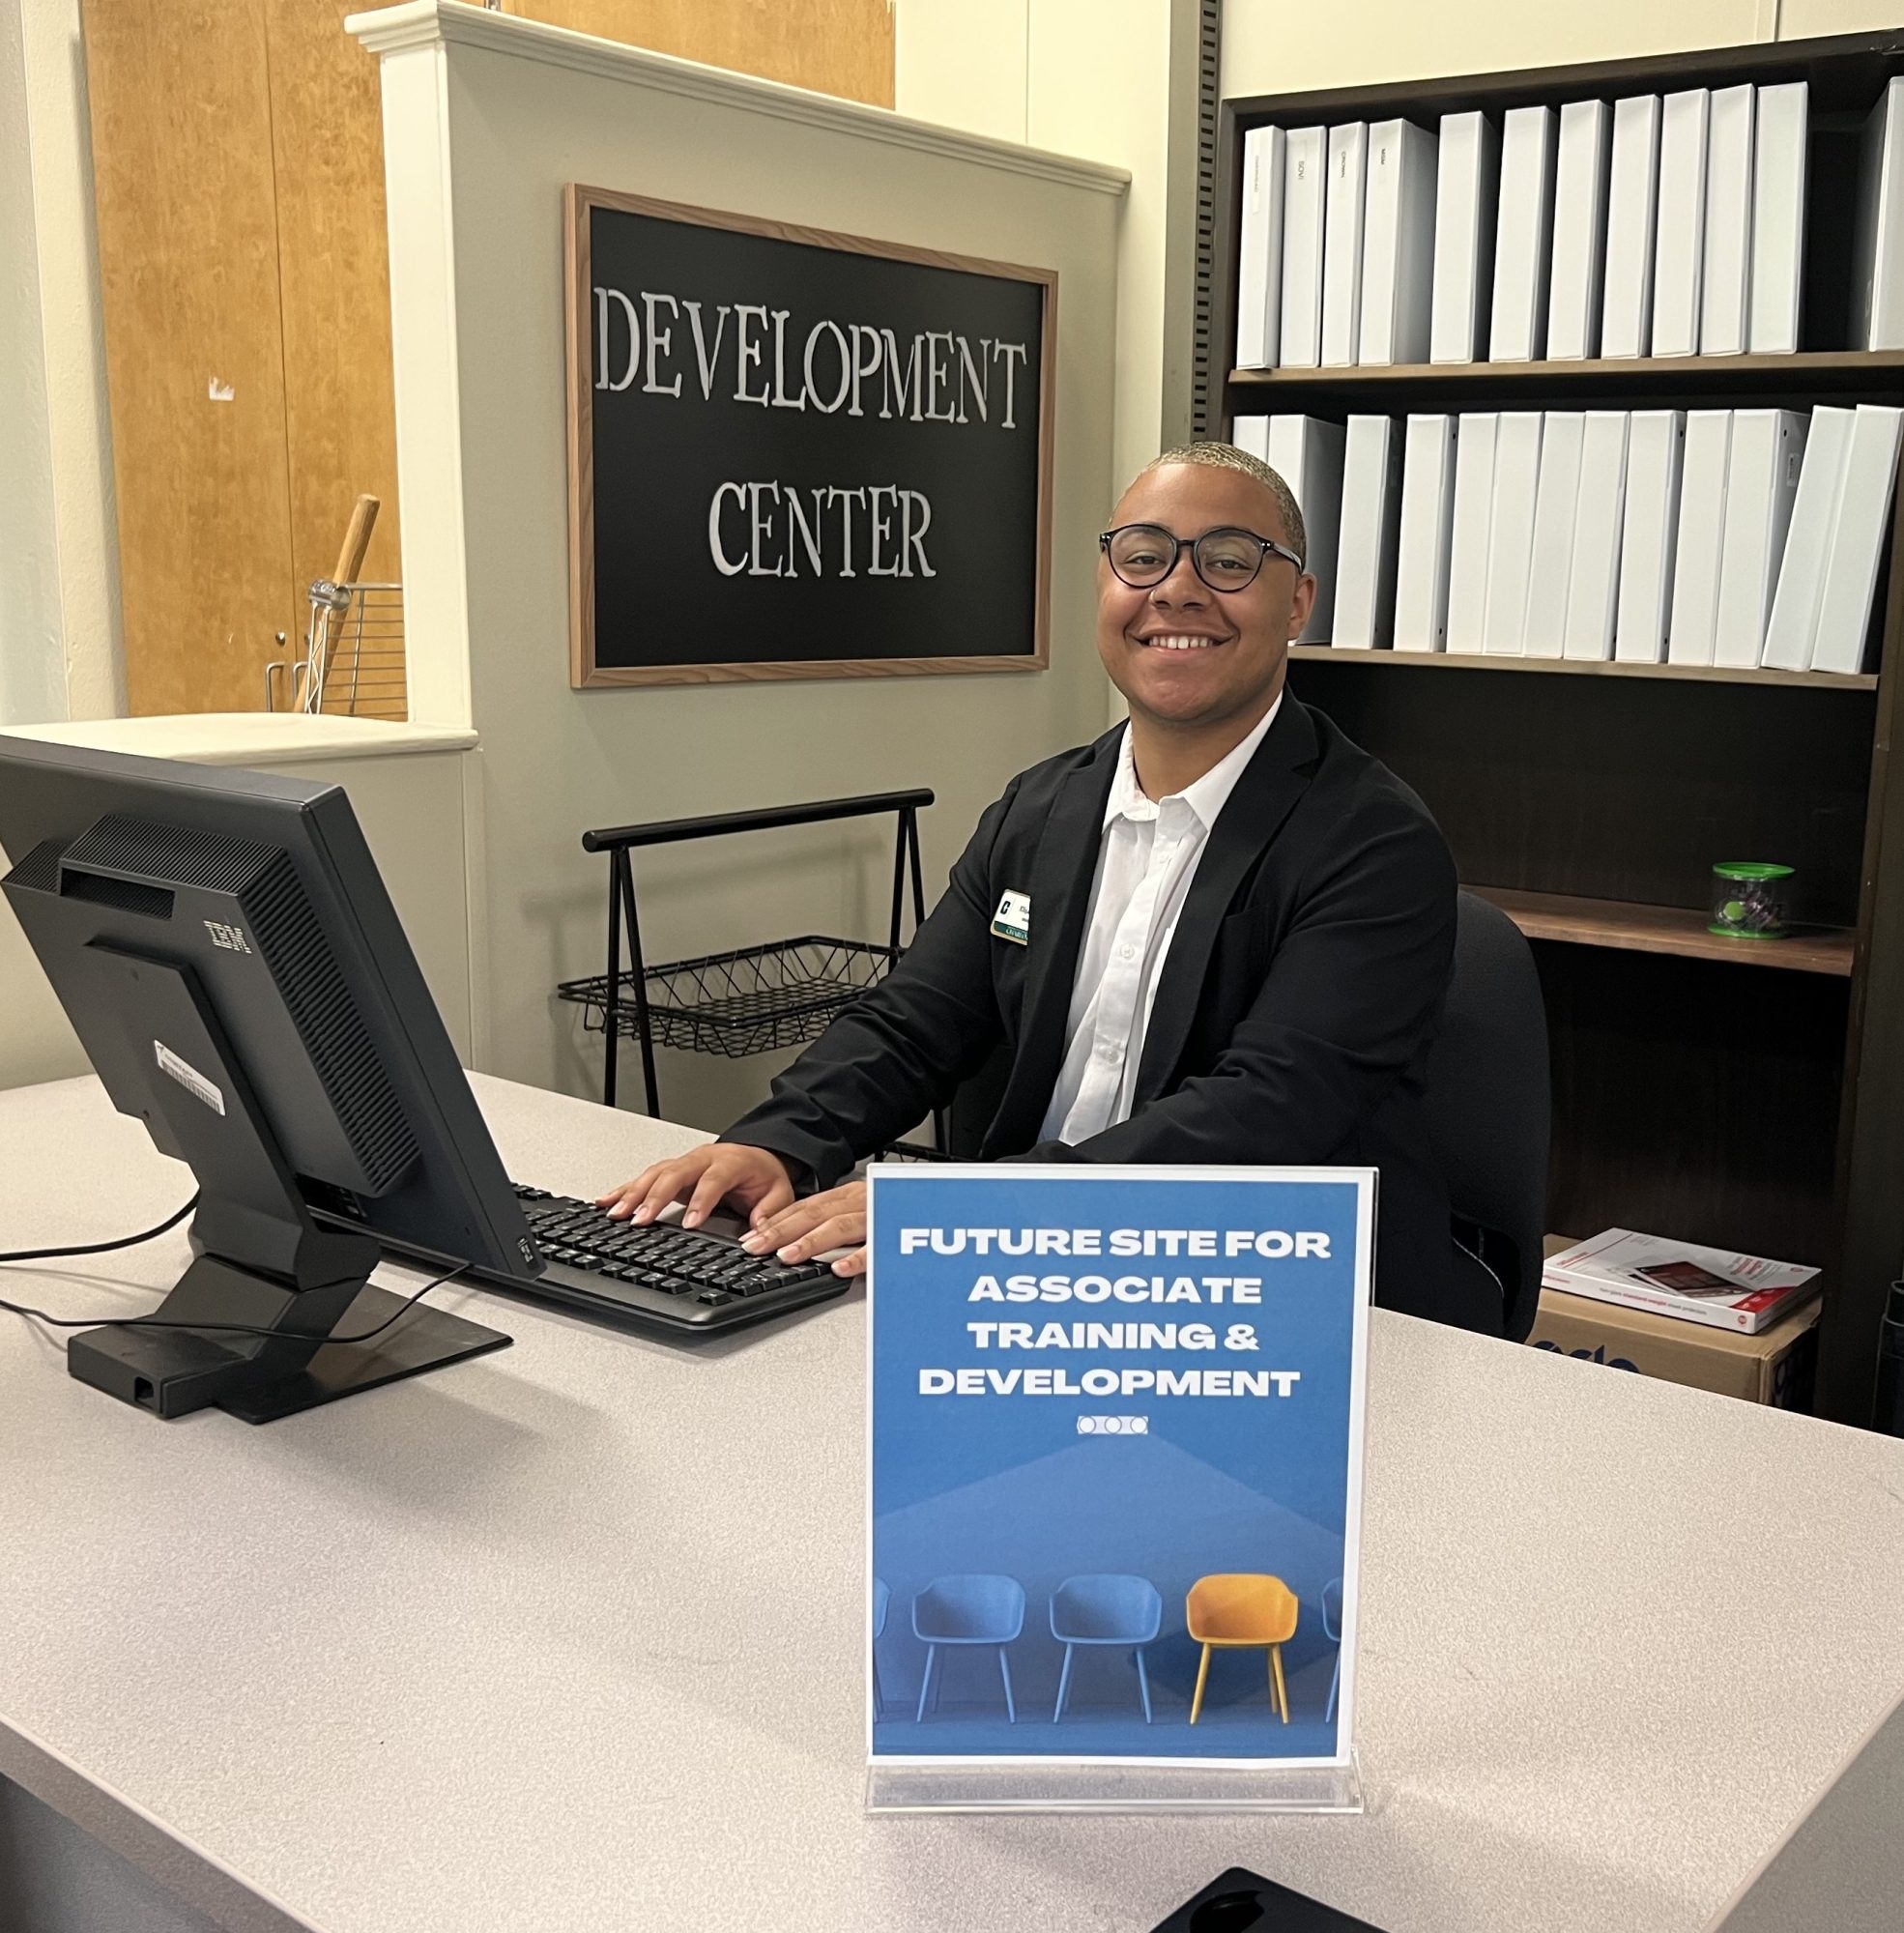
column 1089, row 78
column 1275, row 49
column 481, row 134
column 1272, row 49
column 965, row 64
column 59, row 584
column 32, row 678
column 1797, row 19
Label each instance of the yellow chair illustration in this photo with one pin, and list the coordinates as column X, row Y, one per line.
column 1235, row 1611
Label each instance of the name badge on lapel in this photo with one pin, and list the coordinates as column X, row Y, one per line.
column 1013, row 920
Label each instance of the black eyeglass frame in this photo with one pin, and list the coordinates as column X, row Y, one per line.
column 1178, row 545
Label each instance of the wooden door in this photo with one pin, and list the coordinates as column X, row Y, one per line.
column 188, row 274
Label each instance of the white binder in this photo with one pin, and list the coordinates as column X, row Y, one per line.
column 1366, row 557
column 1304, row 183
column 1691, row 628
column 1631, row 204
column 1593, row 587
column 1858, row 541
column 1877, row 305
column 1655, row 442
column 1679, row 242
column 1556, row 506
column 1726, row 279
column 1793, row 626
column 1762, row 482
column 1469, row 529
column 1428, row 514
column 1260, row 251
column 1511, row 531
column 1397, row 244
column 1524, row 240
column 1580, row 231
column 1342, row 246
column 1306, row 453
column 1778, row 180
column 1466, row 197
column 1252, row 433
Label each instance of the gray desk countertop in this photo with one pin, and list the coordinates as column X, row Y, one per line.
column 567, row 1638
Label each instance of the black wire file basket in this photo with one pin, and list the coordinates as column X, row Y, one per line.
column 781, row 994
column 751, row 1001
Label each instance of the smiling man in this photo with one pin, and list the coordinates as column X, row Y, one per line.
column 1222, row 933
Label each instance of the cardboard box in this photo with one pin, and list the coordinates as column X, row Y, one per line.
column 1774, row 1366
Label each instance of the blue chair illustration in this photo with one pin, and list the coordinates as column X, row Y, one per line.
column 968, row 1610
column 882, row 1597
column 1106, row 1610
column 1331, row 1627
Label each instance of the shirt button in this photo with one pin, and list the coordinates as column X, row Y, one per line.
column 1126, row 953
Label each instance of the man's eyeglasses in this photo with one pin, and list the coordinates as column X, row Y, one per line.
column 1143, row 555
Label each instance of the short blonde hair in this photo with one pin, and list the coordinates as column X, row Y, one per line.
column 1226, row 456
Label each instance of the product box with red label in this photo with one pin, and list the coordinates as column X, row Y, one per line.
column 1775, row 1366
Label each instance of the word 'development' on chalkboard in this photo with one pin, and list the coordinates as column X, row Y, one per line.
column 799, row 454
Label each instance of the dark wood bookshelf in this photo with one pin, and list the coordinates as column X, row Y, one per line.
column 1842, row 376
column 1627, row 926
column 1760, row 1110
column 1804, row 681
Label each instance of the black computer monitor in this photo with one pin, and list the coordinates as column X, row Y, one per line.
column 227, row 955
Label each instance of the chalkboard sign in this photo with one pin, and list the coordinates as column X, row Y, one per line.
column 799, row 454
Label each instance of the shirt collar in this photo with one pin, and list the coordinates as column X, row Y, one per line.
column 1207, row 796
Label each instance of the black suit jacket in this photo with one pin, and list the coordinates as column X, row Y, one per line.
column 1291, row 1022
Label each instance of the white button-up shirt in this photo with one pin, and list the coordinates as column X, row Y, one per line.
column 1146, row 860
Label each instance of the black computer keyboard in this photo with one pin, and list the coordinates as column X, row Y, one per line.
column 661, row 1274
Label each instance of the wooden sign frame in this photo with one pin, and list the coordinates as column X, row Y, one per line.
column 579, row 203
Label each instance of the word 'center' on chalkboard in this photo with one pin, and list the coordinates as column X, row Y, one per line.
column 800, row 455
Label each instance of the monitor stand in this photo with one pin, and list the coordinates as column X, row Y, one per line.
column 262, row 1263
column 173, row 1371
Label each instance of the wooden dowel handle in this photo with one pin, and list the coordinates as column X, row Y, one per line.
column 357, row 541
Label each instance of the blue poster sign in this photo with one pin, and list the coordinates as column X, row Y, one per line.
column 1116, row 1462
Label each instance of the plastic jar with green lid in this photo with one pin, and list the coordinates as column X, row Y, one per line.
column 1751, row 900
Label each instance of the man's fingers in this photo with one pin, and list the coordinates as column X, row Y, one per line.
column 836, row 1221
column 703, row 1177
column 853, row 1264
column 774, row 1200
column 707, row 1193
column 803, row 1217
column 835, row 1233
column 629, row 1190
column 654, row 1187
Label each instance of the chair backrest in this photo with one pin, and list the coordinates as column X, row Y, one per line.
column 984, row 1608
column 1490, row 1104
column 882, row 1597
column 1332, row 1610
column 1240, row 1607
column 1108, row 1606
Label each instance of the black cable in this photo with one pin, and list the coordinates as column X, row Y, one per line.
column 100, row 1247
column 409, row 1302
column 209, row 1328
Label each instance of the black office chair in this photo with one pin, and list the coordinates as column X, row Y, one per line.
column 1489, row 1113
column 1489, row 1108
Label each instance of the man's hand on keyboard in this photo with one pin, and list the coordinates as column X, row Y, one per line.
column 834, row 1220
column 750, row 1180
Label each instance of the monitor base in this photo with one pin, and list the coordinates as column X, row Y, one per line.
column 172, row 1372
